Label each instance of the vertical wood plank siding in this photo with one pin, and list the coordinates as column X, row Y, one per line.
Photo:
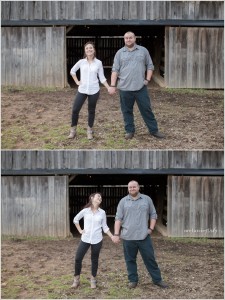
column 33, row 56
column 122, row 10
column 195, row 206
column 194, row 57
column 111, row 159
column 35, row 205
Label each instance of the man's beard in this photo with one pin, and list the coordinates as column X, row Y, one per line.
column 134, row 194
column 130, row 46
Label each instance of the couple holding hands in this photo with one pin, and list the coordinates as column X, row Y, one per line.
column 131, row 72
column 134, row 222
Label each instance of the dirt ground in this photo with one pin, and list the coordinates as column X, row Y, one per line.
column 41, row 268
column 190, row 119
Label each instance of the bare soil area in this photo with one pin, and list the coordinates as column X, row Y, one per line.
column 43, row 269
column 40, row 119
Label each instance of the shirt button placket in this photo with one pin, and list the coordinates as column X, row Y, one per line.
column 92, row 221
column 88, row 81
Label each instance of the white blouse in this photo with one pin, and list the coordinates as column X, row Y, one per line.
column 90, row 74
column 94, row 223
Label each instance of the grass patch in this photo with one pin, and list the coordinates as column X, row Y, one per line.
column 193, row 240
column 49, row 286
column 109, row 286
column 29, row 238
column 200, row 92
column 13, row 134
column 17, row 284
column 17, row 89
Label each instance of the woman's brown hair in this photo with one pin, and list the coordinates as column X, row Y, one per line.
column 89, row 204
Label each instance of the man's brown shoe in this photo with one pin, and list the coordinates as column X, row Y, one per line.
column 129, row 136
column 158, row 135
column 132, row 285
column 162, row 284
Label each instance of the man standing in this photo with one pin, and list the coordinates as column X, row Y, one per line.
column 134, row 212
column 131, row 63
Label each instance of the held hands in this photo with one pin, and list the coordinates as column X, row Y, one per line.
column 112, row 90
column 150, row 231
column 115, row 239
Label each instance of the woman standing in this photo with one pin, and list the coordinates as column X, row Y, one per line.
column 91, row 236
column 91, row 71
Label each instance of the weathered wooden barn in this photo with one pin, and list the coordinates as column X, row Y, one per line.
column 43, row 190
column 41, row 40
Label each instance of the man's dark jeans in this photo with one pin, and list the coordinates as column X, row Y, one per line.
column 147, row 252
column 127, row 100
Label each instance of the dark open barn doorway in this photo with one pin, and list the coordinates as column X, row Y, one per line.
column 108, row 41
column 113, row 188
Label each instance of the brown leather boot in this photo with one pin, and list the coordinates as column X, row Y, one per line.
column 76, row 282
column 93, row 283
column 89, row 133
column 72, row 132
